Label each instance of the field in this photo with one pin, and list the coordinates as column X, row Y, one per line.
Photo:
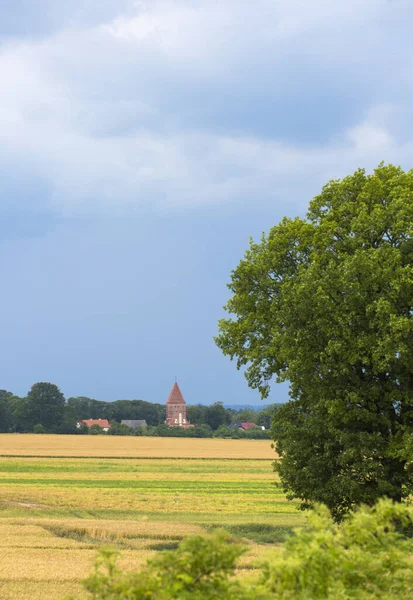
column 56, row 508
column 131, row 447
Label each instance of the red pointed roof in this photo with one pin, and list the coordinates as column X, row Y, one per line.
column 175, row 397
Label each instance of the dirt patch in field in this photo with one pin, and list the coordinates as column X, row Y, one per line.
column 8, row 503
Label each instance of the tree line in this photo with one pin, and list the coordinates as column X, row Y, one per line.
column 45, row 410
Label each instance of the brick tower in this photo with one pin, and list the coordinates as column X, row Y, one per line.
column 176, row 409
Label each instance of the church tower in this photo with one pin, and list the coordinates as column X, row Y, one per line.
column 176, row 408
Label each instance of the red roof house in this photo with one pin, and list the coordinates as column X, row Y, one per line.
column 103, row 423
column 248, row 425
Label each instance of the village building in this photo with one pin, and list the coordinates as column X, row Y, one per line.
column 176, row 409
column 103, row 423
column 134, row 423
column 244, row 426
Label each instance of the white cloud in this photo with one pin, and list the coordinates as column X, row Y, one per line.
column 104, row 114
column 368, row 139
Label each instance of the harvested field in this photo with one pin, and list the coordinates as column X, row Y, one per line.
column 56, row 512
column 12, row 444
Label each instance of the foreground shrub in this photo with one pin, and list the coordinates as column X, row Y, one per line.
column 200, row 569
column 367, row 557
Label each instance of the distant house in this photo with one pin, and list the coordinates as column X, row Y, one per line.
column 134, row 423
column 248, row 425
column 103, row 423
column 244, row 426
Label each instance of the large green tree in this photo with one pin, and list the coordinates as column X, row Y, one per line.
column 326, row 303
column 46, row 405
column 196, row 414
column 216, row 415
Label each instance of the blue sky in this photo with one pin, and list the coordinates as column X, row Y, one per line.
column 142, row 143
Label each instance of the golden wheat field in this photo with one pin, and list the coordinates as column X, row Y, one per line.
column 56, row 512
column 12, row 444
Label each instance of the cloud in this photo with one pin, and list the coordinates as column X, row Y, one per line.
column 172, row 103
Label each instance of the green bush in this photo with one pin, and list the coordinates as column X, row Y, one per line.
column 39, row 428
column 120, row 429
column 366, row 557
column 96, row 430
column 200, row 569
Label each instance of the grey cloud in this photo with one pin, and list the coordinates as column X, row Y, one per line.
column 186, row 103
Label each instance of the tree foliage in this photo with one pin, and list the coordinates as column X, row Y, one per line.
column 367, row 557
column 46, row 405
column 5, row 413
column 200, row 569
column 89, row 408
column 214, row 415
column 326, row 303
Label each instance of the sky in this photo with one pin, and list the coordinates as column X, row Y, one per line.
column 142, row 143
